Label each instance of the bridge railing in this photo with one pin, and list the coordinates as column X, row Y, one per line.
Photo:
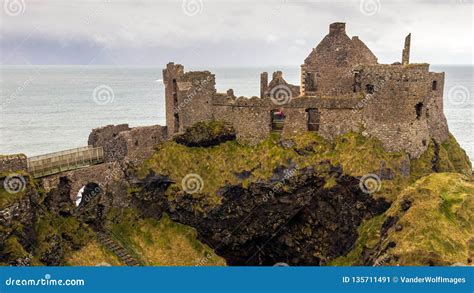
column 52, row 163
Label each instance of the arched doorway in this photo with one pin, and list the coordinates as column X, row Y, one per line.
column 86, row 193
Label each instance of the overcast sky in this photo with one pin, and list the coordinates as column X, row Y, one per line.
column 227, row 33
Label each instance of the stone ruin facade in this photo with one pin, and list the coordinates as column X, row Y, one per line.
column 123, row 143
column 343, row 88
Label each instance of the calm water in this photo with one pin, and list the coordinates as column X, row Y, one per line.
column 51, row 108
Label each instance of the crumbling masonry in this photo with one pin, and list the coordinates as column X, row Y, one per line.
column 343, row 88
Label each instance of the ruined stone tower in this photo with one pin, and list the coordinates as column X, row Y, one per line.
column 343, row 88
column 406, row 50
column 187, row 96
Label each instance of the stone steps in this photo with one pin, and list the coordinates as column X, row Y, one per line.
column 117, row 249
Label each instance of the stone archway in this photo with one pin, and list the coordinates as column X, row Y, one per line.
column 86, row 193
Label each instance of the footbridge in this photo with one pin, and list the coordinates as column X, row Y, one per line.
column 67, row 160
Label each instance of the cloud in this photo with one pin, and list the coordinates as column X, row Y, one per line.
column 208, row 31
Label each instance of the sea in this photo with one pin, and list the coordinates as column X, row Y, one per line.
column 51, row 108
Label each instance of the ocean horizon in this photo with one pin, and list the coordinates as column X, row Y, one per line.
column 50, row 108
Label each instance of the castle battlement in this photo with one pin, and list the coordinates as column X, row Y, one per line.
column 343, row 88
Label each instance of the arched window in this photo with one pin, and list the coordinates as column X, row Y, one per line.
column 434, row 85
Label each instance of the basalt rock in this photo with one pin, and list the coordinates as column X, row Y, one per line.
column 295, row 220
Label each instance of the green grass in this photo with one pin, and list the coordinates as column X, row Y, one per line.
column 163, row 242
column 218, row 165
column 437, row 229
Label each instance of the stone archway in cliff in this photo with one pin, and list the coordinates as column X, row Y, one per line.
column 86, row 193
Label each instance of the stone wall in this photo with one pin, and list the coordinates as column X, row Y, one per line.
column 341, row 81
column 188, row 96
column 405, row 111
column 108, row 176
column 99, row 136
column 121, row 142
column 250, row 117
column 13, row 163
column 328, row 68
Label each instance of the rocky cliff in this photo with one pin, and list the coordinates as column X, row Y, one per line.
column 304, row 201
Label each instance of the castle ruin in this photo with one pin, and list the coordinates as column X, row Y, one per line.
column 343, row 88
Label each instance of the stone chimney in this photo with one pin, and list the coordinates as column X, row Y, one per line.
column 406, row 50
column 263, row 84
column 277, row 75
column 337, row 27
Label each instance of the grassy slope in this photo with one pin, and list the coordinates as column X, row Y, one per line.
column 218, row 165
column 440, row 223
column 437, row 229
column 155, row 243
column 93, row 254
column 163, row 242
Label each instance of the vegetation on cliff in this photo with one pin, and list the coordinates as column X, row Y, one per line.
column 206, row 133
column 232, row 163
column 315, row 182
column 155, row 243
column 430, row 223
column 20, row 188
column 162, row 242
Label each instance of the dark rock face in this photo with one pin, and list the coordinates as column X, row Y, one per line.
column 378, row 255
column 292, row 218
column 58, row 200
column 204, row 134
column 295, row 221
column 151, row 201
column 55, row 253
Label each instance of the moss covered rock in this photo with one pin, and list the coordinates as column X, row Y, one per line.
column 204, row 134
column 429, row 223
column 233, row 163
